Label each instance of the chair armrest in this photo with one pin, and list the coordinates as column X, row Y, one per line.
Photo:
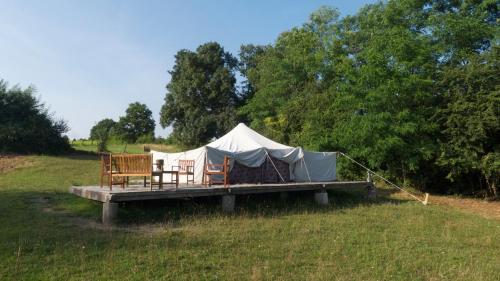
column 176, row 167
column 190, row 169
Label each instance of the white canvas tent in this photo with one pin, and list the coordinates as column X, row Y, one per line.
column 251, row 149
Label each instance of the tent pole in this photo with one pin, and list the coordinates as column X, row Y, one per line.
column 203, row 179
column 276, row 169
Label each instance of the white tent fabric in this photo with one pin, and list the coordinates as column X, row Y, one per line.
column 251, row 149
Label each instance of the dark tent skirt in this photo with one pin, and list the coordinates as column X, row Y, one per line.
column 265, row 173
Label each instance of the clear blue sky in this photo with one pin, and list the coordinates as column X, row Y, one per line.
column 90, row 59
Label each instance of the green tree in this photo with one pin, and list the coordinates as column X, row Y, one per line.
column 201, row 98
column 373, row 84
column 26, row 126
column 248, row 58
column 462, row 28
column 466, row 36
column 381, row 109
column 288, row 77
column 101, row 132
column 105, row 125
column 470, row 120
column 137, row 122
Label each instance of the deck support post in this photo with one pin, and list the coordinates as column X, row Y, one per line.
column 228, row 202
column 321, row 197
column 372, row 191
column 109, row 212
column 283, row 195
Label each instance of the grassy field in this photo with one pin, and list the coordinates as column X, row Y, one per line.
column 86, row 145
column 48, row 234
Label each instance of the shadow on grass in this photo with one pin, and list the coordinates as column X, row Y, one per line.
column 256, row 205
column 31, row 204
column 47, row 218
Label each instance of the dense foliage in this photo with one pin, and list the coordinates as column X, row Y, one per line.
column 26, row 126
column 201, row 99
column 409, row 87
column 138, row 123
column 102, row 132
column 470, row 122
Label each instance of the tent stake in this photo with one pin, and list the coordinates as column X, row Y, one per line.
column 426, row 200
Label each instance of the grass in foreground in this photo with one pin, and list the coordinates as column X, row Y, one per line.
column 48, row 234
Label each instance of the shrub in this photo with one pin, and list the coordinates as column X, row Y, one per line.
column 26, row 126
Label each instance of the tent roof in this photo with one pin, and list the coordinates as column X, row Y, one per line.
column 241, row 138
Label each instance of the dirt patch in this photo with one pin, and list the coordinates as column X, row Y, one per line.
column 78, row 221
column 87, row 223
column 11, row 162
column 487, row 209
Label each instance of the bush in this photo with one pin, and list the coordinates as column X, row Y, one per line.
column 26, row 126
column 145, row 139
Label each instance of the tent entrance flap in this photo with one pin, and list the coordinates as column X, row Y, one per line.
column 271, row 171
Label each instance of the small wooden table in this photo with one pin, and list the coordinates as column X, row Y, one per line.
column 160, row 175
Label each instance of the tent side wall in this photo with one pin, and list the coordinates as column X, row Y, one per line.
column 312, row 166
column 172, row 159
column 316, row 166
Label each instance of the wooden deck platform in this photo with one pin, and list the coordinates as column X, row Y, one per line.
column 111, row 198
column 139, row 193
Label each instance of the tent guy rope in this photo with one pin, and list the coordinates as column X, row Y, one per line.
column 425, row 201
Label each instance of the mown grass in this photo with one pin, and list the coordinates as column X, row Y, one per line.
column 48, row 234
column 91, row 146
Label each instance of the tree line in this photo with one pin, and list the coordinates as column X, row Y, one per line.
column 27, row 126
column 409, row 87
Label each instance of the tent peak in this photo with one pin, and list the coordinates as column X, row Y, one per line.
column 241, row 124
column 243, row 138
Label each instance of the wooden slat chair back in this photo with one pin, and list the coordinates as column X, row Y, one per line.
column 217, row 170
column 123, row 166
column 185, row 167
column 132, row 165
column 105, row 166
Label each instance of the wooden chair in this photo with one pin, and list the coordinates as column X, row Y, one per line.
column 217, row 170
column 185, row 167
column 123, row 166
column 106, row 169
